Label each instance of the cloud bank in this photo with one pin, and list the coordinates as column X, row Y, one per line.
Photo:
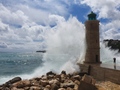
column 24, row 24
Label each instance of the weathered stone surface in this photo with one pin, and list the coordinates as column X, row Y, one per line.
column 34, row 82
column 61, row 89
column 87, row 79
column 10, row 82
column 16, row 79
column 86, row 86
column 77, row 77
column 26, row 88
column 50, row 73
column 65, row 85
column 44, row 83
column 63, row 72
column 54, row 87
column 35, row 88
column 14, row 88
column 68, row 88
column 22, row 84
column 61, row 81
column 48, row 86
column 77, row 82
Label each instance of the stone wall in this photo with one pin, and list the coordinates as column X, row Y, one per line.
column 102, row 73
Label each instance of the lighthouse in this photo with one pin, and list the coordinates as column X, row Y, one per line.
column 92, row 54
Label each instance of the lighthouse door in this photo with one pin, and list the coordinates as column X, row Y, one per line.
column 96, row 58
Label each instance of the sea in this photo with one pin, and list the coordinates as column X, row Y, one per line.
column 18, row 63
column 33, row 64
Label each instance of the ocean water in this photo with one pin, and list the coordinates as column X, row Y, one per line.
column 14, row 64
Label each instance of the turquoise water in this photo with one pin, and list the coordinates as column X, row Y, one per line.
column 19, row 63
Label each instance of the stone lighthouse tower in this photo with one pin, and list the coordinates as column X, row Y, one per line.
column 92, row 39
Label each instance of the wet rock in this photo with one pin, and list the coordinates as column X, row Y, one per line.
column 44, row 78
column 14, row 88
column 48, row 86
column 35, row 88
column 54, row 87
column 44, row 83
column 34, row 82
column 65, row 85
column 26, row 88
column 87, row 78
column 22, row 84
column 46, row 89
column 50, row 73
column 77, row 77
column 16, row 79
column 68, row 88
column 50, row 77
column 63, row 72
column 10, row 82
column 61, row 89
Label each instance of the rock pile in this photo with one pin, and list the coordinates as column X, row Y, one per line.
column 52, row 81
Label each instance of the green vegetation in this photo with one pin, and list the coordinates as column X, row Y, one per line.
column 113, row 44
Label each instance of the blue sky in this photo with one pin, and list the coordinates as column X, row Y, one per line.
column 24, row 24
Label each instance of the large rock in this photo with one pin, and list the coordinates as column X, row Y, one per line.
column 86, row 86
column 77, row 77
column 22, row 84
column 34, row 82
column 44, row 83
column 63, row 72
column 50, row 73
column 87, row 79
column 54, row 87
column 65, row 85
column 35, row 88
column 10, row 82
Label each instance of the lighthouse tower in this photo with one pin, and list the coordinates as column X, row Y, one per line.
column 92, row 40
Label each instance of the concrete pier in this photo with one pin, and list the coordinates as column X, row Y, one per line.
column 103, row 72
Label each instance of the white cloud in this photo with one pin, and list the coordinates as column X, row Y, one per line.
column 24, row 23
column 107, row 9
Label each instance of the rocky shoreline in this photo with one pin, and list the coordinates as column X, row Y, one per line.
column 52, row 81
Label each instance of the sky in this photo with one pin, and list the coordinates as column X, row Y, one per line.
column 24, row 24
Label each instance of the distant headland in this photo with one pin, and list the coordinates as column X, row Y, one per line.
column 41, row 51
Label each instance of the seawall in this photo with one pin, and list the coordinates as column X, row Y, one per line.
column 102, row 72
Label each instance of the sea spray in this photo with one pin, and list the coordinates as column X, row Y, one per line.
column 65, row 46
column 107, row 55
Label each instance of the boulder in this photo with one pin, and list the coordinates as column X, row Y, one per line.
column 50, row 73
column 10, row 82
column 63, row 72
column 77, row 82
column 22, row 84
column 34, row 82
column 48, row 86
column 77, row 77
column 86, row 86
column 35, row 88
column 87, row 79
column 68, row 88
column 54, row 87
column 44, row 83
column 61, row 89
column 65, row 85
column 14, row 88
column 16, row 79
